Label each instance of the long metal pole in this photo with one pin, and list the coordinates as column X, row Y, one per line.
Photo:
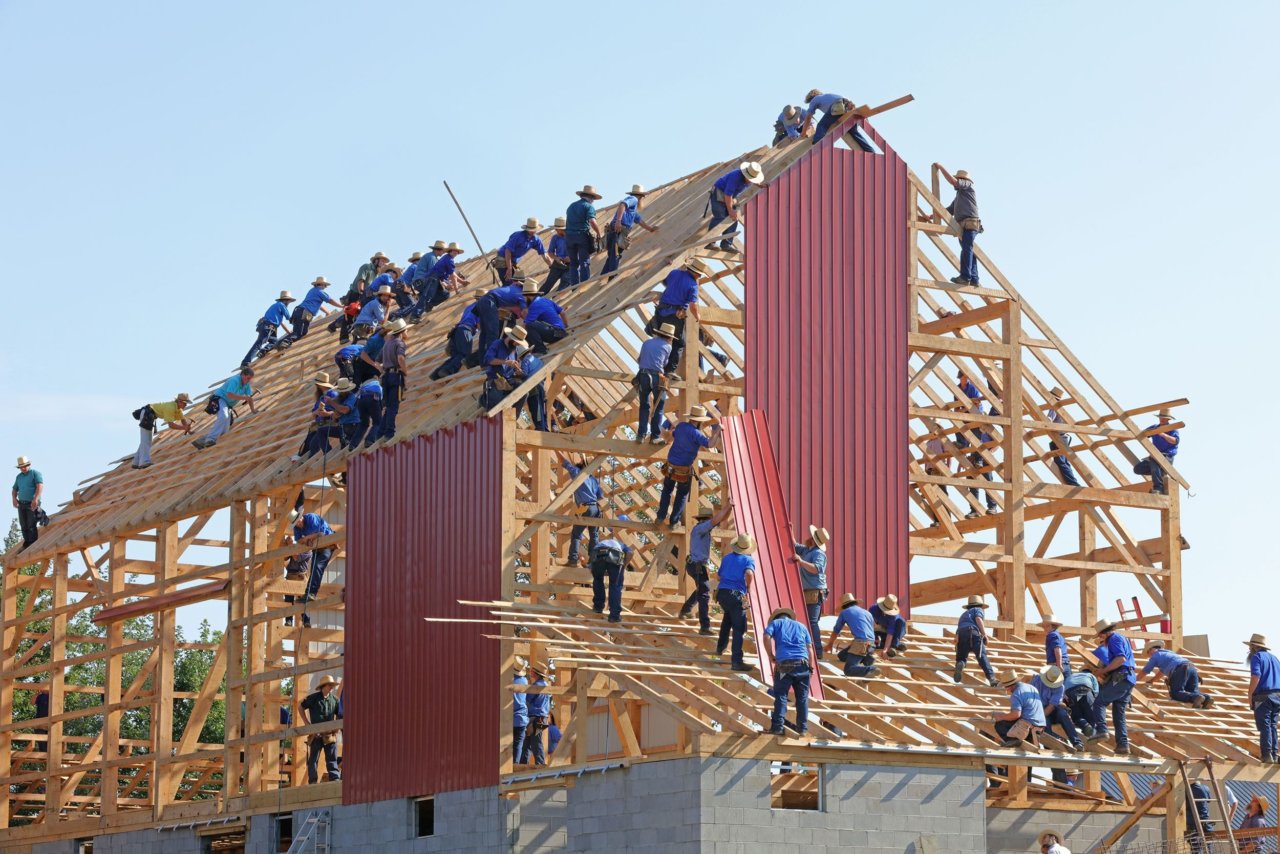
column 474, row 236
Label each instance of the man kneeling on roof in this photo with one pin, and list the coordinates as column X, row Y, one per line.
column 890, row 626
column 787, row 643
column 859, row 656
column 1026, row 713
column 1049, row 683
column 1181, row 675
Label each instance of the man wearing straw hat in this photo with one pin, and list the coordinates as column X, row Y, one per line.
column 580, row 225
column 539, row 716
column 170, row 412
column 859, row 656
column 435, row 284
column 811, row 560
column 373, row 314
column 1051, row 843
column 723, row 201
column 314, row 302
column 223, row 403
column 525, row 239
column 543, row 318
column 1049, row 682
column 649, row 381
column 1055, row 646
column 404, row 282
column 833, row 108
column 737, row 571
column 394, row 374
column 965, row 210
column 971, row 639
column 28, row 486
column 891, row 628
column 519, row 712
column 1264, row 695
column 1117, row 679
column 272, row 318
column 1060, row 441
column 679, row 299
column 1167, row 442
column 1181, row 676
column 1026, row 713
column 558, row 257
column 625, row 217
column 698, row 565
column 787, row 644
column 687, row 439
column 502, row 363
column 789, row 124
column 321, row 706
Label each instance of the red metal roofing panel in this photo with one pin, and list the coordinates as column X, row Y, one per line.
column 421, row 700
column 827, row 246
column 760, row 509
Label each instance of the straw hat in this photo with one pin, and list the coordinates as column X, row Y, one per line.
column 1260, row 641
column 666, row 330
column 976, row 602
column 326, row 680
column 962, row 175
column 529, row 286
column 521, row 666
column 820, row 535
column 439, row 244
column 1103, row 626
column 782, row 612
column 698, row 267
column 415, row 257
column 517, row 333
column 1050, row 620
column 285, row 296
column 697, row 413
column 539, row 668
column 1057, row 393
column 790, row 111
column 1007, row 678
column 888, row 604
column 384, row 291
column 1052, row 676
column 751, row 171
column 322, row 378
column 320, row 280
column 560, row 222
column 395, row 327
column 23, row 461
column 813, row 93
column 745, row 544
column 849, row 599
column 532, row 224
column 344, row 384
column 589, row 192
column 375, row 256
column 453, row 247
column 1164, row 413
column 1057, row 837
column 1153, row 645
column 639, row 190
column 182, row 397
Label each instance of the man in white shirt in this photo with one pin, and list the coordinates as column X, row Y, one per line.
column 1051, row 843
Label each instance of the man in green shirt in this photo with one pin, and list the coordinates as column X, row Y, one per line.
column 319, row 707
column 27, row 489
column 169, row 412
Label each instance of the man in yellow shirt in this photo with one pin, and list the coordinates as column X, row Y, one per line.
column 171, row 413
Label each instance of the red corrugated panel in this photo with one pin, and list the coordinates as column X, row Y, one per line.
column 421, row 699
column 760, row 509
column 826, row 295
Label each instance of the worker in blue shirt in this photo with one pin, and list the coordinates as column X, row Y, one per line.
column 544, row 319
column 650, row 381
column 980, row 436
column 833, row 108
column 273, row 318
column 27, row 492
column 737, row 572
column 385, row 279
column 811, row 560
column 1264, row 695
column 582, row 234
column 787, row 642
column 679, row 299
column 312, row 304
column 698, row 566
column 1118, row 678
column 340, row 418
column 507, row 259
column 724, row 200
column 609, row 559
column 1181, row 675
column 374, row 313
column 368, row 362
column 461, row 344
column 1166, row 442
column 687, row 438
column 1060, row 441
column 557, row 257
column 1026, row 712
column 536, row 397
column 308, row 530
column 588, row 498
column 1055, row 647
column 345, row 359
column 539, row 705
column 971, row 639
column 618, row 235
column 435, row 284
column 519, row 714
column 502, row 366
column 1049, row 683
column 368, row 411
column 891, row 627
column 788, row 125
column 1079, row 691
column 226, row 397
column 507, row 298
column 403, row 283
column 859, row 656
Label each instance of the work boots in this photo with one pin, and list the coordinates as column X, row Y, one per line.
column 958, row 674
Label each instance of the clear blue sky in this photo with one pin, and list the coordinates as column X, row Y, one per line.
column 166, row 168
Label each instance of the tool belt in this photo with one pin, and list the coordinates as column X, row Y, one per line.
column 971, row 223
column 305, row 316
column 325, row 738
column 858, row 648
column 211, row 407
column 1259, row 698
column 697, row 569
column 583, row 509
column 538, row 723
column 814, row 596
column 1022, row 728
column 146, row 417
column 680, row 474
column 623, row 238
column 790, row 665
column 558, row 264
column 1118, row 676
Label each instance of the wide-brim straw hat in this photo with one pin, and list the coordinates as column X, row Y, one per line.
column 1050, row 620
column 888, row 604
column 182, row 397
column 745, row 544
column 375, row 256
column 790, row 111
column 345, row 384
column 698, row 267
column 1103, row 626
column 322, row 378
column 782, row 612
column 439, row 244
column 1260, row 641
column 1164, row 413
column 453, row 247
column 1153, row 645
column 1052, row 676
column 1057, row 393
column 975, row 602
column 589, row 192
column 517, row 333
column 320, row 280
column 820, row 535
column 326, row 680
column 285, row 296
column 751, row 171
column 697, row 413
column 1055, row 834
column 849, row 599
column 530, row 287
column 521, row 667
column 23, row 461
column 666, row 330
column 560, row 222
column 385, row 291
column 538, row 667
column 639, row 190
column 1007, row 678
column 415, row 257
column 962, row 175
column 532, row 224
column 395, row 327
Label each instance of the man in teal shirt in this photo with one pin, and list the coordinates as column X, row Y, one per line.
column 27, row 489
column 225, row 398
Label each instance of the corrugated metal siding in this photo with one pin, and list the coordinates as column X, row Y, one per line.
column 760, row 509
column 826, row 319
column 422, row 699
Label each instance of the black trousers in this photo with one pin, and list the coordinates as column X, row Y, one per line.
column 677, row 345
column 27, row 522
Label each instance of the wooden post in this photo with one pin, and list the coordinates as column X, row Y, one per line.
column 54, row 791
column 1170, row 526
column 1014, row 608
column 237, row 608
column 510, row 461
column 110, row 773
column 166, row 564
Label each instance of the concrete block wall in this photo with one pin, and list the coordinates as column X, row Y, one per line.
column 1010, row 830
column 149, row 842
column 58, row 846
